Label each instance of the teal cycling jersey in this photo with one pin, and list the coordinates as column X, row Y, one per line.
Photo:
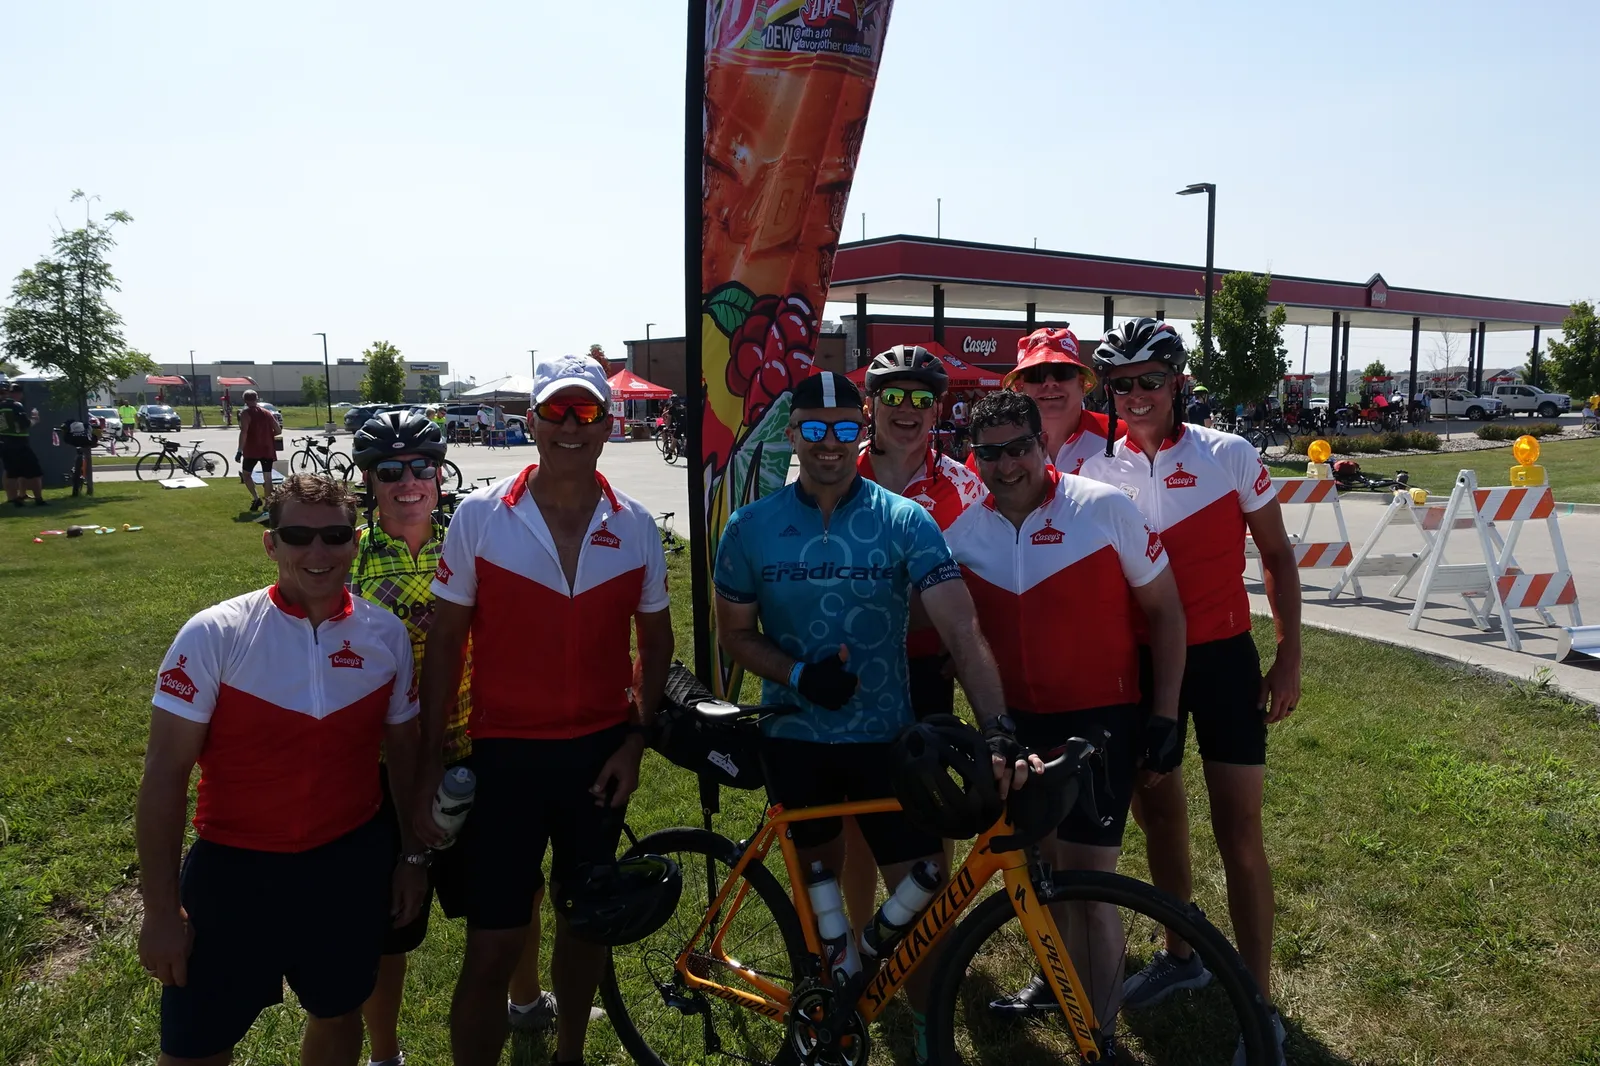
column 817, row 585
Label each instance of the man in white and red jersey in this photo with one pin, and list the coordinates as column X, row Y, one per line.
column 1051, row 371
column 1056, row 565
column 1202, row 490
column 284, row 697
column 550, row 571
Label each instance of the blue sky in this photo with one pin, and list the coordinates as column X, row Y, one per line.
column 470, row 183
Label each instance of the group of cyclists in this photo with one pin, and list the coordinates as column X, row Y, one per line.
column 1081, row 572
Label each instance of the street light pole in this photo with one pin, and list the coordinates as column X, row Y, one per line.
column 327, row 377
column 649, row 367
column 533, row 361
column 1211, row 243
column 194, row 391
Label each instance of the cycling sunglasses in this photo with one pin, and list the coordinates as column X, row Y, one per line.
column 1038, row 375
column 300, row 536
column 392, row 470
column 1016, row 447
column 921, row 399
column 588, row 412
column 1150, row 382
column 843, row 432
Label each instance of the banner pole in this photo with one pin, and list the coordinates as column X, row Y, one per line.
column 702, row 552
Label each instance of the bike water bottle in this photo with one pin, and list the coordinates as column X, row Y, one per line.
column 453, row 801
column 900, row 909
column 838, row 946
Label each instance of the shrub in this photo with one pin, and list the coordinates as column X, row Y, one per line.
column 1411, row 440
column 1507, row 431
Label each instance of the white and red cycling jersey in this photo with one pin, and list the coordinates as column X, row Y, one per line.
column 945, row 489
column 1196, row 493
column 1089, row 440
column 1054, row 597
column 548, row 660
column 295, row 716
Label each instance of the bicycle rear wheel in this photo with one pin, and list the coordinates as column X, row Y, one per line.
column 341, row 467
column 449, row 476
column 156, row 466
column 658, row 1019
column 669, row 450
column 210, row 464
column 989, row 955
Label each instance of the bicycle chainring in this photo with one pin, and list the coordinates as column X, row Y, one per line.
column 817, row 1037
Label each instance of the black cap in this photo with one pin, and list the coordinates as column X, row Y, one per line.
column 825, row 389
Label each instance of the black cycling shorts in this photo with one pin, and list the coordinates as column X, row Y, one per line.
column 316, row 918
column 1221, row 694
column 931, row 691
column 400, row 940
column 1043, row 733
column 802, row 773
column 19, row 460
column 248, row 464
column 531, row 794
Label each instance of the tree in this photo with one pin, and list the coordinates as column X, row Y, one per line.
column 429, row 393
column 59, row 319
column 1250, row 358
column 1375, row 369
column 1443, row 355
column 1533, row 373
column 313, row 390
column 9, row 369
column 386, row 374
column 1573, row 362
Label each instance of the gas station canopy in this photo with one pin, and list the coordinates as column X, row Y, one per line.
column 922, row 271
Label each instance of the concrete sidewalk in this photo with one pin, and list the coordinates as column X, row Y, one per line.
column 1445, row 629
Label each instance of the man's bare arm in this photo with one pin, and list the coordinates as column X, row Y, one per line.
column 441, row 682
column 750, row 648
column 949, row 606
column 656, row 643
column 174, row 748
column 1168, row 639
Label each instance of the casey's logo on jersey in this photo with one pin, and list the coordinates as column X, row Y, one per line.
column 1048, row 535
column 443, row 573
column 1263, row 480
column 1154, row 548
column 347, row 658
column 604, row 538
column 176, row 682
column 1180, row 479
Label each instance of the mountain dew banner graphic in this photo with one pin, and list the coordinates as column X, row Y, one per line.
column 787, row 86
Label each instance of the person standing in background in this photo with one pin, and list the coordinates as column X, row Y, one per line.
column 23, row 472
column 258, row 432
column 227, row 408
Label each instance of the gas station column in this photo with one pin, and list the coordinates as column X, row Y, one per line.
column 1111, row 314
column 1033, row 316
column 1483, row 349
column 863, row 342
column 938, row 313
column 1335, row 400
column 1344, row 361
column 1416, row 338
column 1472, row 353
column 1533, row 360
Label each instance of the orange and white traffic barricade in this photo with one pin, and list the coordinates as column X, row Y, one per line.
column 1506, row 586
column 1310, row 493
column 1409, row 507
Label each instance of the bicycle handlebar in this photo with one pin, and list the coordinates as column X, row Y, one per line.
column 1081, row 762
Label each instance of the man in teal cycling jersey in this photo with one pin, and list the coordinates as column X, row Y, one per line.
column 826, row 567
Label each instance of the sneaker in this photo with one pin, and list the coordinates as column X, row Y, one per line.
column 1165, row 975
column 1031, row 999
column 41, row 502
column 1277, row 1029
column 537, row 1017
column 398, row 1060
column 255, row 503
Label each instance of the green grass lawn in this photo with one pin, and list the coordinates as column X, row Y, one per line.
column 1434, row 832
column 1572, row 466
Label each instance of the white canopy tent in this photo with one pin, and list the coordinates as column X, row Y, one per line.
column 512, row 387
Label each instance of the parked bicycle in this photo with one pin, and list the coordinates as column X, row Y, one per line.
column 738, row 970
column 317, row 455
column 1274, row 434
column 670, row 541
column 670, row 443
column 170, row 461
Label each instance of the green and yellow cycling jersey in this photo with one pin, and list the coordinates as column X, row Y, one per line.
column 385, row 573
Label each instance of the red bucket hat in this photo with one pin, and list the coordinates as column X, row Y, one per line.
column 1049, row 345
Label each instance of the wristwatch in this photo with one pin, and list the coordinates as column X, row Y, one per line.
column 1004, row 723
column 423, row 859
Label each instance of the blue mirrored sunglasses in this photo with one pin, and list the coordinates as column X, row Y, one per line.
column 843, row 432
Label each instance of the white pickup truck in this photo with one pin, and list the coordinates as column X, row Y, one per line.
column 1528, row 400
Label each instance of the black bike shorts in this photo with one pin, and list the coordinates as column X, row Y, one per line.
column 1221, row 694
column 316, row 918
column 801, row 773
column 532, row 794
column 1043, row 733
column 19, row 460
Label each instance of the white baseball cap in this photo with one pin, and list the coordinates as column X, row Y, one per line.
column 567, row 371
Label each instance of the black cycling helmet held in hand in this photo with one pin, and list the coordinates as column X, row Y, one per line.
column 943, row 777
column 391, row 433
column 907, row 361
column 620, row 902
column 1139, row 341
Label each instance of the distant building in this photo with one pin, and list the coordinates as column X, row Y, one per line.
column 279, row 382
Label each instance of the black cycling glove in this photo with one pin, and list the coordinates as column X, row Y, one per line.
column 1004, row 743
column 827, row 683
column 1163, row 744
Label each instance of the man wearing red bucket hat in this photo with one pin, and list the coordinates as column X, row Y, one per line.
column 1050, row 370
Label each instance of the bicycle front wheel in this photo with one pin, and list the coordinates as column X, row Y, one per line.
column 657, row 1017
column 156, row 466
column 303, row 463
column 989, row 956
column 669, row 450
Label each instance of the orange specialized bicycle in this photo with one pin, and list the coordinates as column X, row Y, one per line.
column 737, row 973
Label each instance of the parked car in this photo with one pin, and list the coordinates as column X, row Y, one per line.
column 110, row 421
column 273, row 411
column 356, row 417
column 1318, row 403
column 1528, row 400
column 157, row 417
column 1459, row 403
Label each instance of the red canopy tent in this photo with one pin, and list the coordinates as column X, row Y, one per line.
column 164, row 379
column 963, row 375
column 626, row 385
column 236, row 382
